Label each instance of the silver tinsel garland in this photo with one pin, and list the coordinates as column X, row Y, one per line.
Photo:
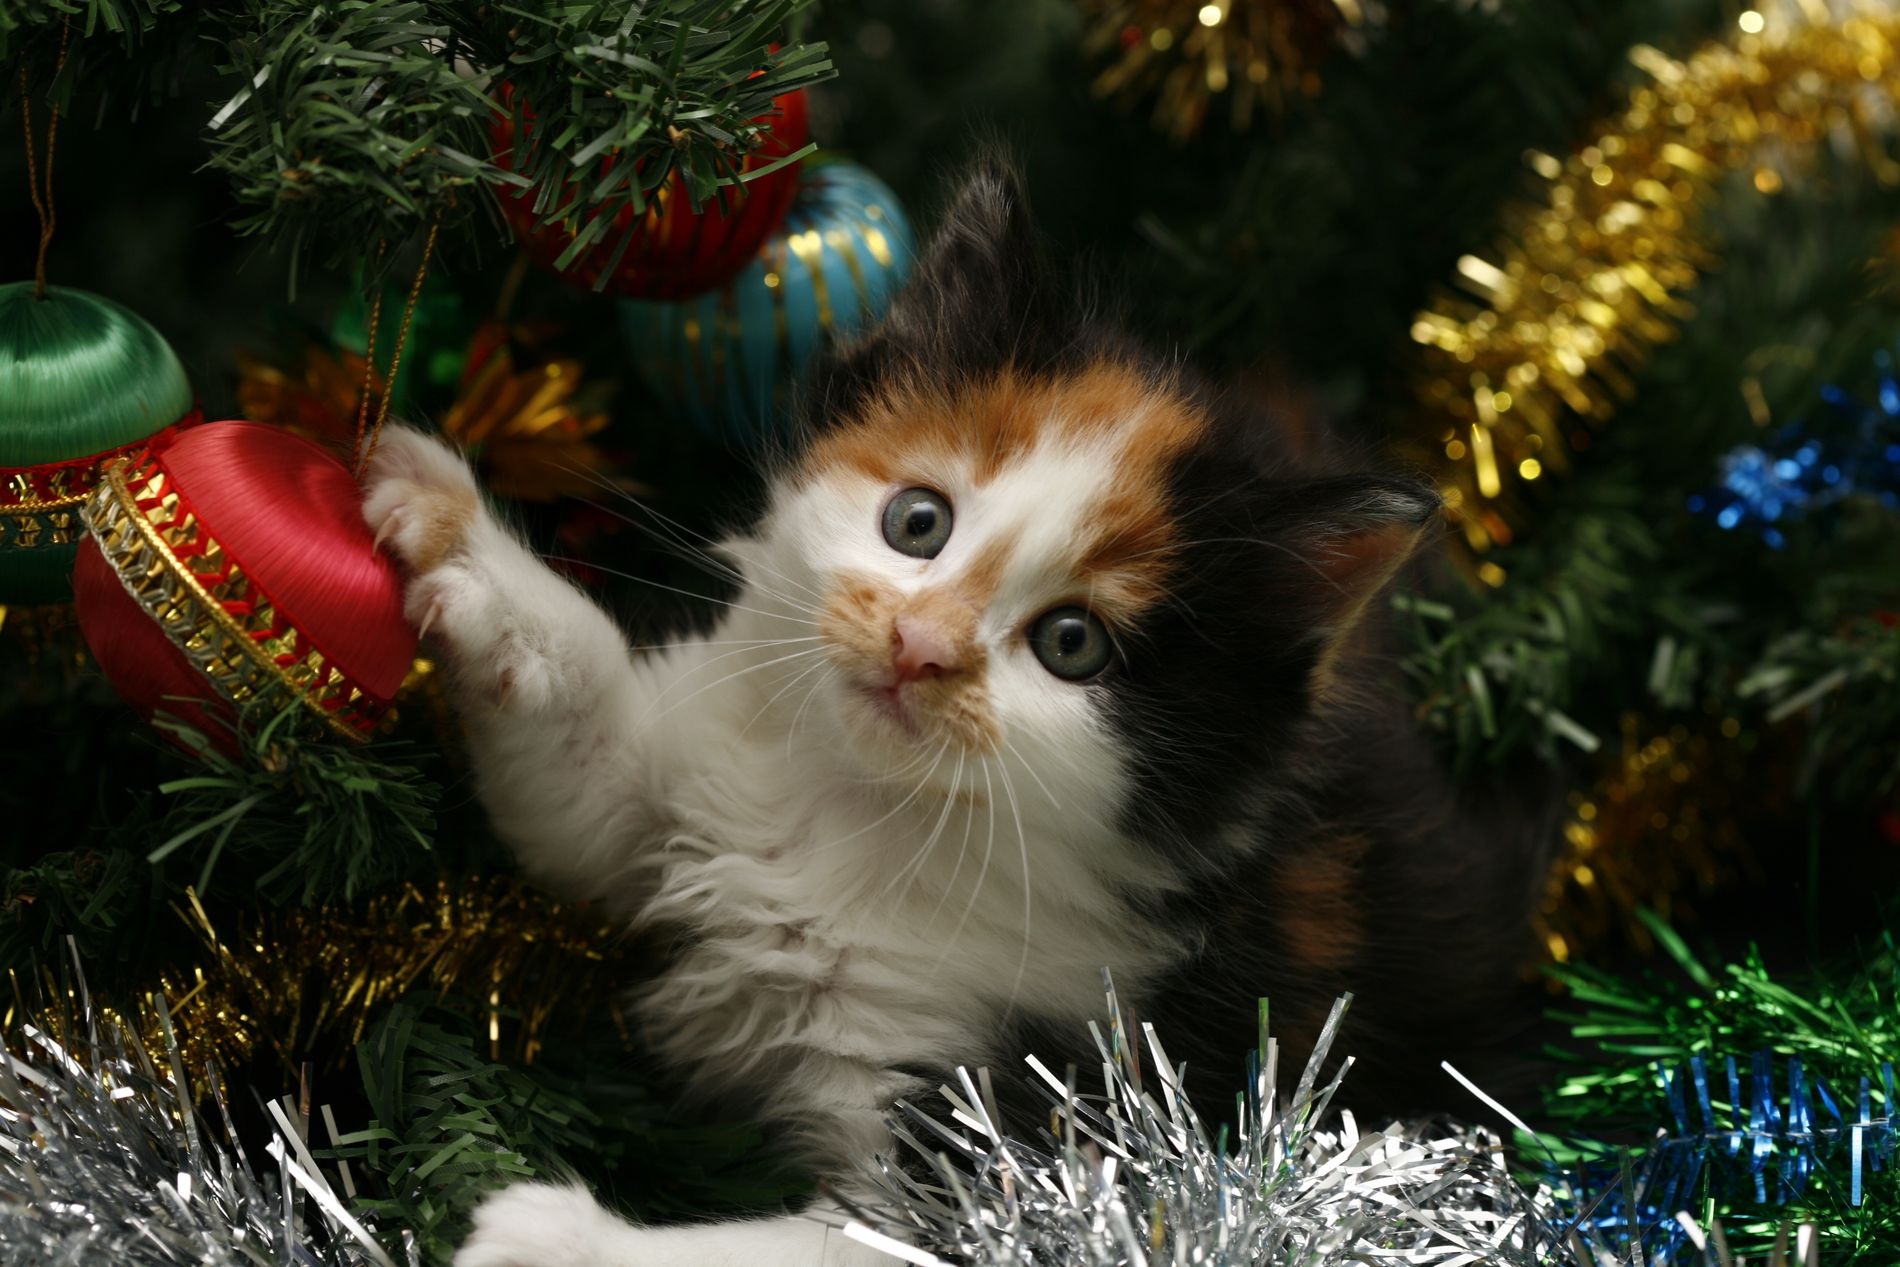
column 106, row 1158
column 1132, row 1178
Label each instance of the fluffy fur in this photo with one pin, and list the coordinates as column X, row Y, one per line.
column 869, row 873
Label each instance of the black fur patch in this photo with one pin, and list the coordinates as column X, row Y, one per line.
column 983, row 297
column 1276, row 764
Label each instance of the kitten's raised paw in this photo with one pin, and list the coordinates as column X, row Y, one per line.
column 419, row 498
column 541, row 1225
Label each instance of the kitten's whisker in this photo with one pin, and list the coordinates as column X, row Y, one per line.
column 949, row 886
column 918, row 859
column 711, row 564
column 1022, row 842
column 674, row 589
column 730, row 677
column 720, row 642
column 983, row 871
column 810, row 695
column 1010, row 748
column 917, row 758
column 798, row 677
column 691, row 669
column 898, row 808
column 678, row 530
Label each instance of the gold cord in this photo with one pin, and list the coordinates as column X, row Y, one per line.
column 369, row 359
column 395, row 358
column 43, row 200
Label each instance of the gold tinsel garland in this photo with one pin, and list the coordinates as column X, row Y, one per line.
column 1659, row 828
column 315, row 397
column 1190, row 53
column 529, row 424
column 529, row 427
column 1590, row 276
column 304, row 984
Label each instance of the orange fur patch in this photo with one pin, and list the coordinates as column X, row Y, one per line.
column 443, row 515
column 856, row 621
column 910, row 430
column 1313, row 897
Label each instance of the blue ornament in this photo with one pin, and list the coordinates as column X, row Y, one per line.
column 1807, row 469
column 726, row 360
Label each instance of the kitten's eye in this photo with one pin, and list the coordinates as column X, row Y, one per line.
column 1071, row 643
column 917, row 522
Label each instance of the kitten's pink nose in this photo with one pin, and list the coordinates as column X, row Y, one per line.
column 922, row 648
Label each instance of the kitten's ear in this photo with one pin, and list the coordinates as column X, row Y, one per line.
column 978, row 299
column 982, row 264
column 1347, row 537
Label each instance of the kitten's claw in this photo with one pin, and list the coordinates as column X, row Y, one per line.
column 420, row 498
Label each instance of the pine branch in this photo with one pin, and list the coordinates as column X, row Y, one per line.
column 1593, row 601
column 125, row 19
column 1325, row 239
column 363, row 124
column 104, row 899
column 449, row 1125
column 308, row 822
column 1847, row 685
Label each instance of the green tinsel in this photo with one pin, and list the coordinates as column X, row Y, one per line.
column 1736, row 1091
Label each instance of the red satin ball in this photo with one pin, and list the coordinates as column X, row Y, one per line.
column 676, row 251
column 232, row 561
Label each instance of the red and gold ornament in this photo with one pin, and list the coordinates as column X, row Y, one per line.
column 230, row 564
column 675, row 250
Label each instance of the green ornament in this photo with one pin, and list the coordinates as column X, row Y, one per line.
column 81, row 381
column 434, row 354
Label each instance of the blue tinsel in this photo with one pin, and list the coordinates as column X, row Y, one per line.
column 1805, row 469
column 1764, row 1147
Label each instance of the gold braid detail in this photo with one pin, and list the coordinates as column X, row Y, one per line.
column 219, row 619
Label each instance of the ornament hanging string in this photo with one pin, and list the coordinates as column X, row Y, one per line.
column 369, row 359
column 367, row 450
column 43, row 198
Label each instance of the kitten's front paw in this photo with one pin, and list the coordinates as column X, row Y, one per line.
column 540, row 1225
column 419, row 498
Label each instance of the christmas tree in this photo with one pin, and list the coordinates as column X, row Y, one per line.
column 1619, row 276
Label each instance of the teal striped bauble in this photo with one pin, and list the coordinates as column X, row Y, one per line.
column 82, row 381
column 726, row 360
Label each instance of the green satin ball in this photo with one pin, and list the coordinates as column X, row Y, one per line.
column 80, row 377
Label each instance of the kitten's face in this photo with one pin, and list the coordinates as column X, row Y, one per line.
column 1030, row 554
column 980, row 556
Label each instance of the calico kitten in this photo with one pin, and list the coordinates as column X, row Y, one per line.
column 1045, row 659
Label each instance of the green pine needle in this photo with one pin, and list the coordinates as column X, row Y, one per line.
column 366, row 123
column 448, row 1125
column 314, row 821
column 1843, row 1026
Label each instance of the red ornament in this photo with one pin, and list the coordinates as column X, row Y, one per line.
column 231, row 562
column 676, row 251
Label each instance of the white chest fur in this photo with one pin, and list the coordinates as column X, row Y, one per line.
column 834, row 930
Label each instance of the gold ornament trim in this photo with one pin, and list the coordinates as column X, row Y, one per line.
column 222, row 622
column 25, row 529
column 39, row 504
